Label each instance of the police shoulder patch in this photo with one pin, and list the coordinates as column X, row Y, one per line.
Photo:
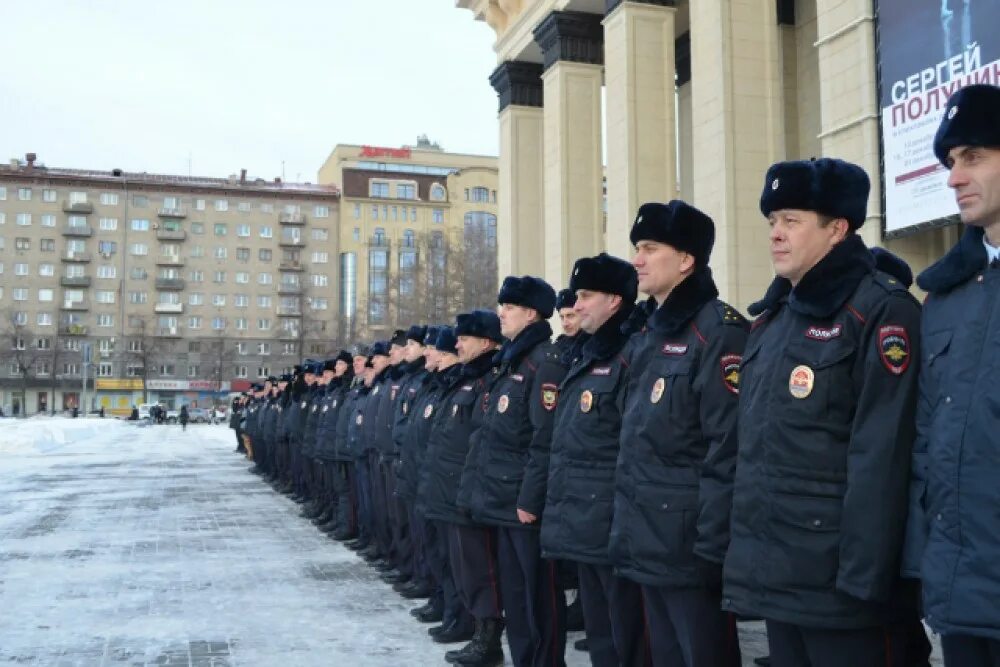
column 894, row 348
column 731, row 371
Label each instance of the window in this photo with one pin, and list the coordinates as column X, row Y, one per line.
column 263, row 301
column 480, row 194
column 413, row 214
column 133, row 370
column 20, row 269
column 356, row 235
column 263, row 372
column 20, row 318
column 218, row 323
column 406, row 191
column 24, row 194
column 197, row 227
column 106, row 271
column 357, row 211
column 194, row 322
column 74, row 296
column 407, row 259
column 290, row 348
column 218, row 299
column 199, row 204
column 75, row 246
column 49, row 220
column 42, row 368
column 3, row 192
column 104, row 296
column 409, row 239
column 322, row 212
column 22, row 243
column 19, row 293
column 45, row 294
column 437, row 215
column 196, row 298
column 263, row 348
column 46, row 269
column 220, row 228
column 243, row 254
column 320, row 234
column 241, row 323
column 105, row 320
column 137, row 273
column 109, row 198
column 241, row 347
column 71, row 369
column 139, row 249
column 320, row 304
column 140, row 225
column 243, row 230
column 378, row 237
column 437, row 192
column 241, row 372
column 395, row 212
column 140, row 201
column 266, row 232
column 108, row 224
column 221, row 205
column 220, row 252
column 320, row 257
column 24, row 219
column 379, row 189
column 263, row 324
column 44, row 320
column 244, row 206
column 105, row 369
column 193, row 371
column 107, row 248
column 75, row 271
column 166, row 369
column 264, row 279
column 219, row 277
column 241, row 300
column 374, row 215
column 197, row 251
column 320, row 280
column 138, row 297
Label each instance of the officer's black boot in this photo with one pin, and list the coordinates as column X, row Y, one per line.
column 486, row 650
column 455, row 632
column 432, row 612
column 454, row 656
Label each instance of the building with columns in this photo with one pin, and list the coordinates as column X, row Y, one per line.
column 676, row 98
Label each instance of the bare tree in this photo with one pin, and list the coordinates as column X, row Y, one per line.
column 21, row 352
column 222, row 355
column 143, row 348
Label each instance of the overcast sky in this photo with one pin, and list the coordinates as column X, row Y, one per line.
column 231, row 84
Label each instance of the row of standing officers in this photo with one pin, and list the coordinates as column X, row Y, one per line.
column 814, row 468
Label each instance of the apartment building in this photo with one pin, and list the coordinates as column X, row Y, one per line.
column 177, row 287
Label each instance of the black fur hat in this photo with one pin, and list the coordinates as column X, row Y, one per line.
column 678, row 224
column 446, row 339
column 479, row 323
column 360, row 350
column 828, row 186
column 607, row 274
column 417, row 333
column 344, row 355
column 398, row 338
column 431, row 336
column 379, row 348
column 565, row 298
column 972, row 118
column 530, row 292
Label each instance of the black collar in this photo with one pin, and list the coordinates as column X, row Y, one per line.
column 827, row 286
column 683, row 303
column 524, row 342
column 476, row 368
column 610, row 337
column 959, row 265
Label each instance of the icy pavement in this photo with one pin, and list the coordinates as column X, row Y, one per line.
column 127, row 545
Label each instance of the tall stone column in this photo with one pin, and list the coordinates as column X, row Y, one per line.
column 737, row 103
column 641, row 117
column 520, row 208
column 574, row 192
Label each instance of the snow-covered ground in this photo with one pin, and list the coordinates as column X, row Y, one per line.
column 123, row 544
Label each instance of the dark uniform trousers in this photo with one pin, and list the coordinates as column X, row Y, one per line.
column 534, row 601
column 435, row 537
column 345, row 497
column 688, row 629
column 612, row 615
column 798, row 646
column 398, row 520
column 362, row 473
column 419, row 569
column 969, row 651
column 472, row 554
column 380, row 508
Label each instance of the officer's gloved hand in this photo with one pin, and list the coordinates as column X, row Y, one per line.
column 711, row 574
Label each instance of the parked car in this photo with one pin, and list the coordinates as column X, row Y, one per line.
column 199, row 415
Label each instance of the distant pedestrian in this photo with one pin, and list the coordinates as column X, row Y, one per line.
column 184, row 417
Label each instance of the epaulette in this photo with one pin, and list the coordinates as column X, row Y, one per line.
column 729, row 315
column 888, row 282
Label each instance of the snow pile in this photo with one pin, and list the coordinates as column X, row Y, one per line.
column 43, row 434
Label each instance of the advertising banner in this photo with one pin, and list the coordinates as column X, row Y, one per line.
column 927, row 50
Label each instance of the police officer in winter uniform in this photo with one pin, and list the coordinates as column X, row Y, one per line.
column 465, row 552
column 355, row 447
column 503, row 484
column 372, row 428
column 678, row 443
column 337, row 373
column 568, row 319
column 827, row 403
column 577, row 519
column 952, row 540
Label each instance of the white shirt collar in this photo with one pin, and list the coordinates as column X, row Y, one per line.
column 991, row 252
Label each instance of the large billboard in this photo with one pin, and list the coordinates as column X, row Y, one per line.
column 927, row 49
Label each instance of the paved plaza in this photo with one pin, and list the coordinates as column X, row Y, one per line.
column 128, row 545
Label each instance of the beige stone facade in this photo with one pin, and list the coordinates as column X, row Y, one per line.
column 191, row 284
column 700, row 98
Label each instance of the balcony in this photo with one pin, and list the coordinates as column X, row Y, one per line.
column 175, row 213
column 289, row 289
column 169, row 283
column 76, row 256
column 289, row 311
column 75, row 305
column 292, row 219
column 288, row 334
column 170, row 260
column 72, row 230
column 169, row 308
column 296, row 242
column 72, row 330
column 291, row 266
column 78, row 281
column 168, row 332
column 84, row 207
column 171, row 234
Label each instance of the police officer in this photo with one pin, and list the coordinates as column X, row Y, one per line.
column 678, row 443
column 577, row 517
column 568, row 319
column 954, row 525
column 503, row 484
column 827, row 401
column 337, row 375
column 375, row 430
column 357, row 447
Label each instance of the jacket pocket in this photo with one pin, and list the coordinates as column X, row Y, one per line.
column 586, row 510
column 665, row 526
column 805, row 545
